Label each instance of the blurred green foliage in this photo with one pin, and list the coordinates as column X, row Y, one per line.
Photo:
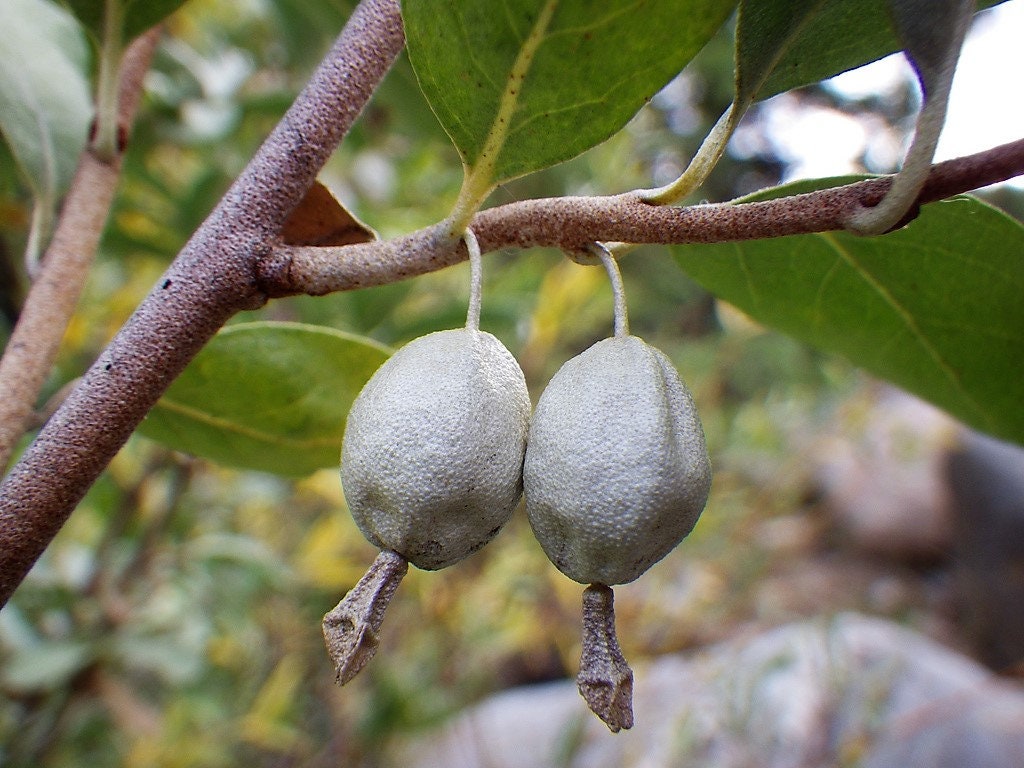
column 175, row 620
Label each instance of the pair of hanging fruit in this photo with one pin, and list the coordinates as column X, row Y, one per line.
column 436, row 457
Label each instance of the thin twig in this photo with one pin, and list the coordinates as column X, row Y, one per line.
column 570, row 223
column 36, row 338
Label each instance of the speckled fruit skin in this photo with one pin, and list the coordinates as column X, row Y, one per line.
column 432, row 456
column 617, row 471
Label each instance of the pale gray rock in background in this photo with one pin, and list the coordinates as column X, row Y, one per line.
column 850, row 690
column 986, row 480
column 881, row 476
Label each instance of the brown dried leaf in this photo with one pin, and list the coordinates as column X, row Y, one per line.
column 320, row 220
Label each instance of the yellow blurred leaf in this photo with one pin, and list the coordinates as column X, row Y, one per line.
column 321, row 558
column 565, row 290
column 324, row 484
column 267, row 723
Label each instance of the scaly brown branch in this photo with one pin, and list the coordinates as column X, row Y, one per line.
column 571, row 223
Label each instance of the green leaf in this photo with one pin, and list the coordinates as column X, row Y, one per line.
column 45, row 104
column 176, row 658
column 268, row 396
column 525, row 84
column 783, row 44
column 764, row 33
column 934, row 307
column 245, row 551
column 832, row 36
column 138, row 15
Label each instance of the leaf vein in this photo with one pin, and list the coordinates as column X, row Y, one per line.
column 908, row 320
column 204, row 417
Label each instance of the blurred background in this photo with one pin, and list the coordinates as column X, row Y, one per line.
column 181, row 605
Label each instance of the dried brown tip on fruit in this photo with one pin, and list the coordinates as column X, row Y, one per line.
column 605, row 679
column 351, row 628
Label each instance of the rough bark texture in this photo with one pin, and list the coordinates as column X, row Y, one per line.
column 572, row 223
column 214, row 277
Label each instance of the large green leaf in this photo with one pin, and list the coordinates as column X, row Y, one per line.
column 269, row 396
column 45, row 104
column 936, row 307
column 808, row 41
column 137, row 15
column 523, row 84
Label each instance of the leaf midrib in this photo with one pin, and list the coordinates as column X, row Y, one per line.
column 490, row 150
column 207, row 418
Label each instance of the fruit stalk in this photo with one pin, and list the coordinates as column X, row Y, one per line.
column 621, row 327
column 475, row 280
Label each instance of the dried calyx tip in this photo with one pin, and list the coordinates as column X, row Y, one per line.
column 351, row 628
column 605, row 680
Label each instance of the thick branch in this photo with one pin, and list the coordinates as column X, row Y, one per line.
column 211, row 279
column 573, row 222
column 33, row 345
